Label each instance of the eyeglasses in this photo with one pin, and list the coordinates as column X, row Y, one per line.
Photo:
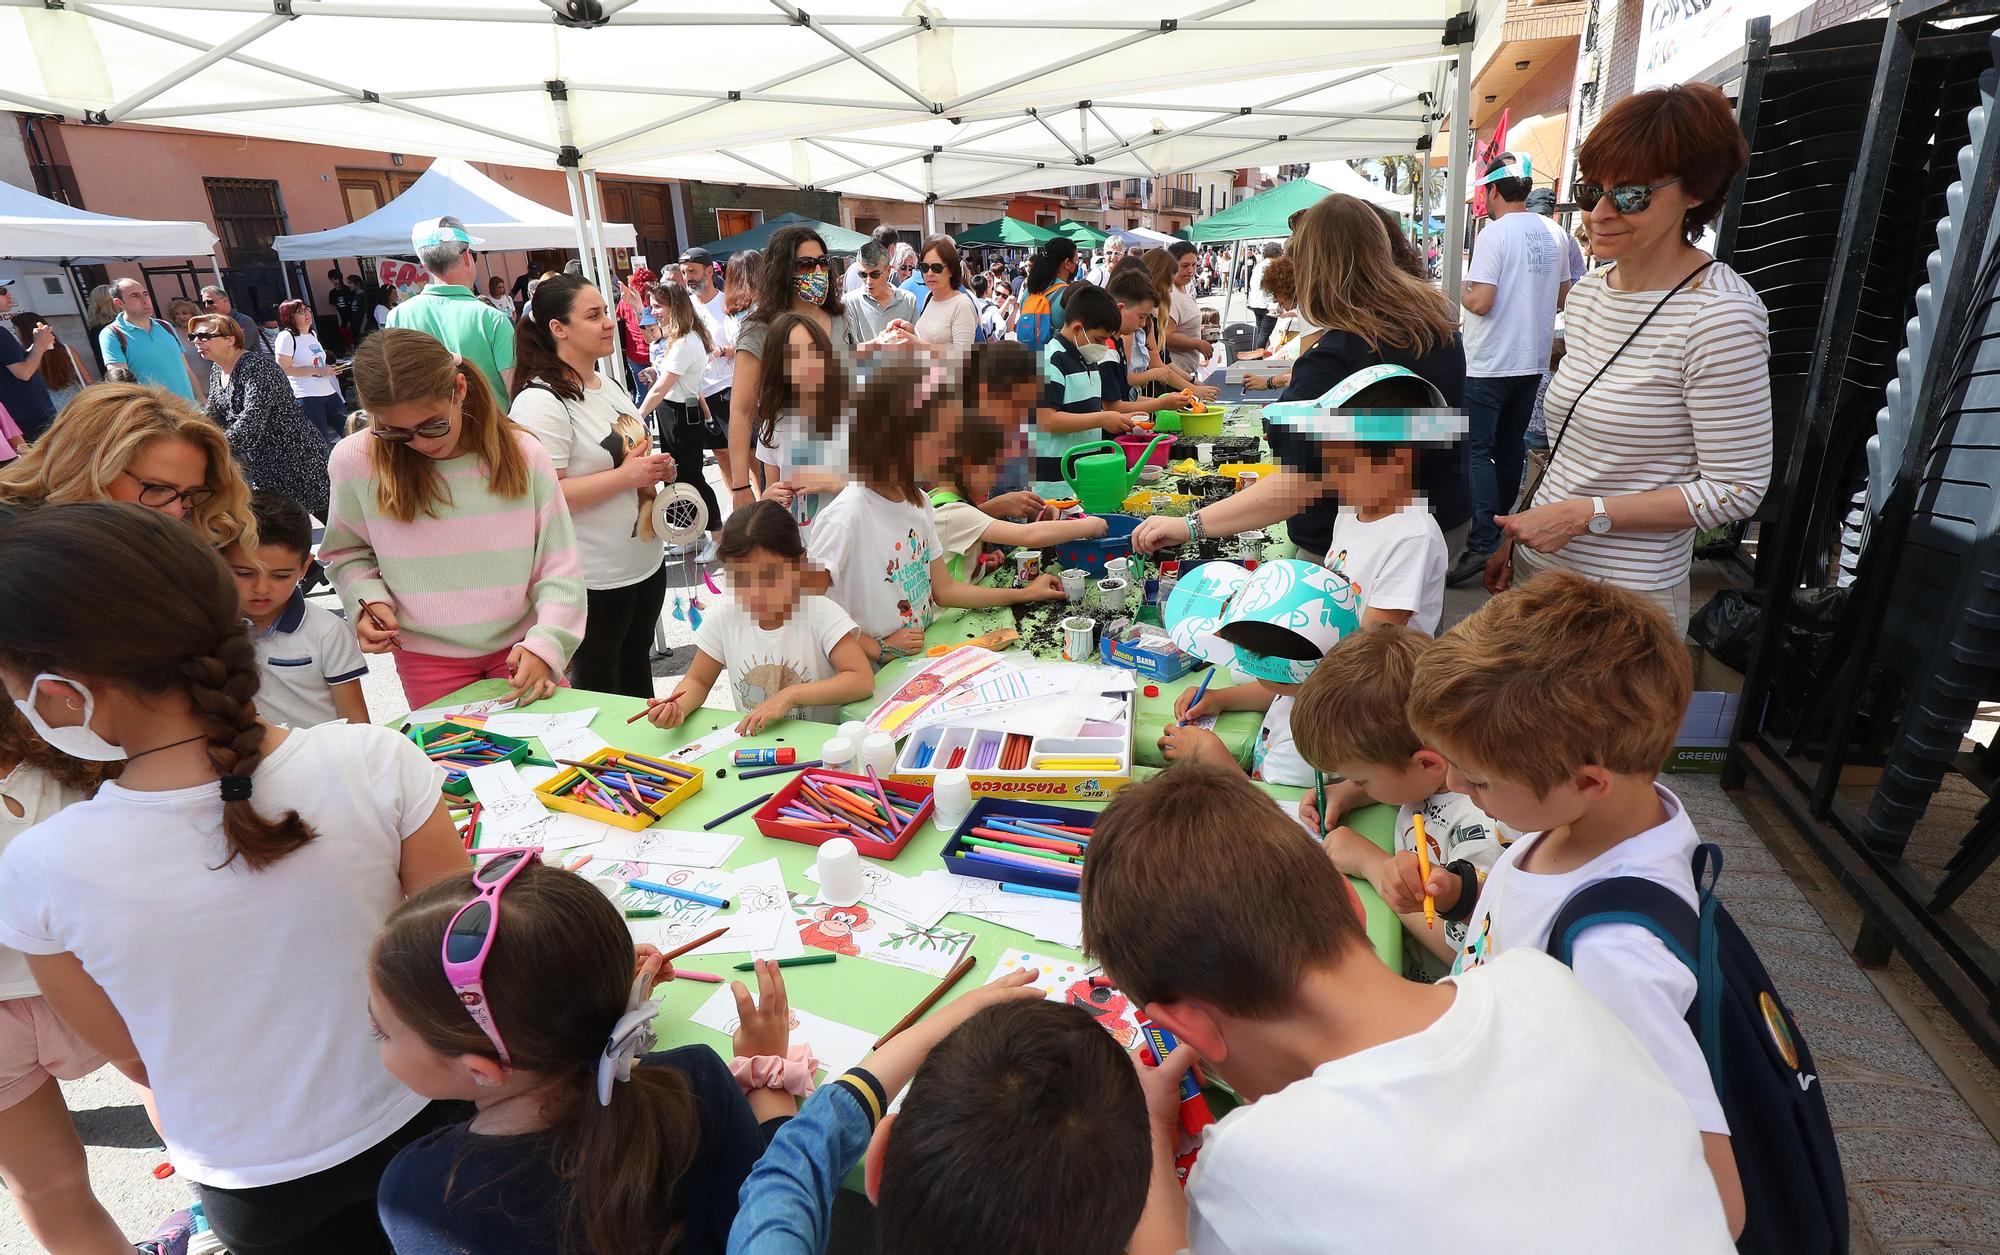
column 1626, row 198
column 206, row 335
column 801, row 265
column 468, row 939
column 208, row 302
column 160, row 496
column 933, row 267
column 872, row 274
column 429, row 429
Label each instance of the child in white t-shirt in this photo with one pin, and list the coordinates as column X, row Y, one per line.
column 965, row 528
column 802, row 429
column 876, row 545
column 788, row 656
column 1351, row 725
column 41, row 1156
column 1554, row 707
column 312, row 666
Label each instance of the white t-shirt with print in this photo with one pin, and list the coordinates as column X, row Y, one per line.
column 1624, row 965
column 584, row 438
column 304, row 349
column 1454, row 828
column 1276, row 759
column 879, row 554
column 1399, row 561
column 39, row 795
column 760, row 662
column 245, row 991
column 1553, row 1129
column 1527, row 267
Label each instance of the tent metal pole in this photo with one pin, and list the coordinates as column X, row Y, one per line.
column 600, row 258
column 576, row 214
column 1229, row 283
column 1454, row 200
column 930, row 198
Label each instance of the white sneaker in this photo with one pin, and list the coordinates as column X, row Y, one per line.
column 707, row 554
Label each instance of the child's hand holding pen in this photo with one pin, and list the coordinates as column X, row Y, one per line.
column 377, row 629
column 663, row 712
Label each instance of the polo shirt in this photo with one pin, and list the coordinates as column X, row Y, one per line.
column 1072, row 386
column 307, row 651
column 27, row 400
column 919, row 290
column 154, row 355
column 466, row 325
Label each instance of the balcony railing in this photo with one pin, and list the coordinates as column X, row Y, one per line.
column 1184, row 198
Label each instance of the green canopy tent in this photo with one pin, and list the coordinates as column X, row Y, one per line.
column 1085, row 235
column 838, row 238
column 1262, row 217
column 1004, row 233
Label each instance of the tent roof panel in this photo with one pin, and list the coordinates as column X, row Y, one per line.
column 34, row 227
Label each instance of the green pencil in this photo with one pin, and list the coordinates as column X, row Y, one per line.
column 643, row 914
column 802, row 961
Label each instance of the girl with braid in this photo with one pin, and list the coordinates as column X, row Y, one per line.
column 203, row 921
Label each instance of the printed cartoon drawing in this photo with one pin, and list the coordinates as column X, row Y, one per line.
column 1108, row 1007
column 833, row 928
column 627, row 438
column 937, row 937
column 763, row 679
column 1479, row 949
column 755, row 898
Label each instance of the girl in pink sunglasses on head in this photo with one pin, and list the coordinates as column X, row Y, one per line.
column 515, row 988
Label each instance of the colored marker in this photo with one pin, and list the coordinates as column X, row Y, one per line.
column 1424, row 870
column 644, row 914
column 1199, row 693
column 684, row 895
column 1036, row 891
column 808, row 960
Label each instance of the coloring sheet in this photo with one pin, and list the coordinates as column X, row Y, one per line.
column 837, row 1046
column 555, row 830
column 667, row 845
column 915, row 898
column 763, row 915
column 679, row 920
column 1046, row 919
column 518, row 723
column 1062, row 980
column 921, row 691
column 708, row 743
column 488, row 706
column 862, row 933
column 506, row 803
column 575, row 744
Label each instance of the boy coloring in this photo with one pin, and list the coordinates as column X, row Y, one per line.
column 1362, row 1091
column 1351, row 722
column 1073, row 411
column 1553, row 708
column 311, row 665
column 1273, row 625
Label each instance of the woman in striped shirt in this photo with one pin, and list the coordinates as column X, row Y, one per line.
column 1674, row 435
column 449, row 539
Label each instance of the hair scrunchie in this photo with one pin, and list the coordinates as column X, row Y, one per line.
column 791, row 1071
column 236, row 788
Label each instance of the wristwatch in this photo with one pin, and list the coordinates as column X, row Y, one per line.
column 1600, row 522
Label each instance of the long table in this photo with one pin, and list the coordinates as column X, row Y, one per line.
column 852, row 991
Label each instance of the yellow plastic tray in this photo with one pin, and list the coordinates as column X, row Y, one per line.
column 1233, row 469
column 547, row 791
column 1141, row 502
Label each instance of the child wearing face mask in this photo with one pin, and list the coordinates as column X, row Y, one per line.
column 233, row 867
column 1073, row 411
column 450, row 541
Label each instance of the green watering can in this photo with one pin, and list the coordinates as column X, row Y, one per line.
column 1102, row 481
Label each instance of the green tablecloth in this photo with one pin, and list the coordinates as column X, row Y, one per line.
column 851, row 991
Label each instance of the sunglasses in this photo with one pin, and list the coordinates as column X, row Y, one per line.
column 160, row 496
column 429, row 429
column 802, row 265
column 934, row 268
column 468, row 939
column 1626, row 198
column 872, row 274
column 206, row 335
column 208, row 303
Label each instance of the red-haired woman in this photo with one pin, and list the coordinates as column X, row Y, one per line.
column 314, row 382
column 1659, row 418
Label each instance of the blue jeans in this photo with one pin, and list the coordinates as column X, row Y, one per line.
column 1497, row 412
column 328, row 415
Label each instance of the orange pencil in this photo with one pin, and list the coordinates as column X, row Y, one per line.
column 1424, row 870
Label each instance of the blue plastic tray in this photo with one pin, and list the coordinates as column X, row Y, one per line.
column 1091, row 555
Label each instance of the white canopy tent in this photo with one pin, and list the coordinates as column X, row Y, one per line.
column 504, row 220
column 1338, row 176
column 1140, row 237
column 35, row 228
column 913, row 99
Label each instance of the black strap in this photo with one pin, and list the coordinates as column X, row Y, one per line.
column 1528, row 496
column 1628, row 900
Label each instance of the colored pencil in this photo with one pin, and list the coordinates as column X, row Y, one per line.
column 1424, row 870
column 804, row 960
column 684, row 895
column 707, row 978
column 1199, row 693
column 1013, row 837
column 747, row 806
column 1050, row 856
column 644, row 914
column 777, row 771
column 1319, row 798
column 895, row 816
column 1036, row 891
column 955, row 975
column 668, row 958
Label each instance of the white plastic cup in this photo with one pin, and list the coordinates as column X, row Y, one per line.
column 1118, row 568
column 1078, row 631
column 854, row 730
column 837, row 753
column 1110, row 594
column 840, row 882
column 951, row 797
column 878, row 750
column 1073, row 580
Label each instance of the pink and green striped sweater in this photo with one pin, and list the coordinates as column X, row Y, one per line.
column 484, row 575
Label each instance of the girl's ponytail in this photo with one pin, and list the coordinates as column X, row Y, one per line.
column 622, row 1159
column 222, row 687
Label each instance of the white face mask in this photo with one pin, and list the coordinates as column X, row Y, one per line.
column 1094, row 353
column 80, row 741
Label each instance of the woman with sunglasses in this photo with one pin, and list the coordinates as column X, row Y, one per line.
column 203, row 920
column 250, row 398
column 585, row 1142
column 129, row 442
column 949, row 317
column 1659, row 417
column 449, row 540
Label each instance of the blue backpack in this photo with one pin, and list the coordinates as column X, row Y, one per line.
column 1795, row 1196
